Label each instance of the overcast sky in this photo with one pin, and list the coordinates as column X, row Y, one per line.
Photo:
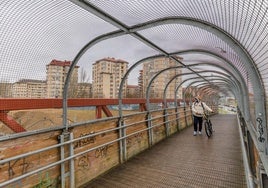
column 33, row 33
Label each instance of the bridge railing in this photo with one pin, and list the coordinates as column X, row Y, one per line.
column 254, row 157
column 55, row 157
column 101, row 107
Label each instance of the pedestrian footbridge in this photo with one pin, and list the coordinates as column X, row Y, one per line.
column 137, row 65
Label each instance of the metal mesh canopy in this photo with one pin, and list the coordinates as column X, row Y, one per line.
column 228, row 36
column 219, row 45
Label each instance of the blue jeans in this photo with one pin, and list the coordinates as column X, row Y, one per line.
column 198, row 120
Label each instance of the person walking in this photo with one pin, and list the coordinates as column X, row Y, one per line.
column 198, row 109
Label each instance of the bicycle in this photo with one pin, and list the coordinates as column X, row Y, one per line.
column 208, row 125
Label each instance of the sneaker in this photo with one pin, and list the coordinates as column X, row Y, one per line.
column 200, row 132
column 195, row 133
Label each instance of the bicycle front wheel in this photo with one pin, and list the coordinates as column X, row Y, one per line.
column 208, row 128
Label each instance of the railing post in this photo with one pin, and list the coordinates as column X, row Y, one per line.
column 122, row 142
column 71, row 164
column 185, row 116
column 150, row 131
column 62, row 138
column 62, row 166
column 177, row 111
column 166, row 123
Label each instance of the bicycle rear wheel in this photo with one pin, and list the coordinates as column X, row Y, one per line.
column 208, row 128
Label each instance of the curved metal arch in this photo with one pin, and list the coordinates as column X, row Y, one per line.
column 75, row 61
column 234, row 82
column 206, row 87
column 223, row 86
column 220, row 82
column 183, row 52
column 200, row 84
column 180, row 20
column 225, row 83
column 236, row 85
column 185, row 91
column 258, row 87
column 160, row 72
column 126, row 76
column 204, row 83
column 237, row 74
column 167, row 20
column 148, row 91
column 245, row 103
column 230, row 83
column 155, row 76
column 210, row 94
column 122, row 132
column 219, row 32
column 212, row 79
column 177, row 88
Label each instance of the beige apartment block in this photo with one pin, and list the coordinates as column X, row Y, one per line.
column 84, row 90
column 28, row 88
column 56, row 76
column 6, row 89
column 153, row 66
column 133, row 91
column 107, row 75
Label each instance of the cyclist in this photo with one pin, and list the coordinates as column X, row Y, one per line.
column 198, row 108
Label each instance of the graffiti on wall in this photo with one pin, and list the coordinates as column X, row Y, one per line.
column 22, row 164
column 137, row 138
column 84, row 161
column 85, row 141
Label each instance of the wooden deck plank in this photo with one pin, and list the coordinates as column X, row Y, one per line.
column 184, row 160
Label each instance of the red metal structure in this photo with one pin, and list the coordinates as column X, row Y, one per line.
column 7, row 105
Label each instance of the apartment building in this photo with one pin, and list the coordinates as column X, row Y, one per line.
column 84, row 90
column 56, row 76
column 28, row 88
column 107, row 75
column 153, row 66
column 140, row 84
column 6, row 89
column 133, row 91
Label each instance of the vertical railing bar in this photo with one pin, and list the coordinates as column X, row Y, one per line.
column 71, row 148
column 62, row 168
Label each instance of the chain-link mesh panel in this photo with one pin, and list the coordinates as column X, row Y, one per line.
column 33, row 34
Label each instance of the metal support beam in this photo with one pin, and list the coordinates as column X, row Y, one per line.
column 10, row 122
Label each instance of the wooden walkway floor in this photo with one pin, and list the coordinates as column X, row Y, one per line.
column 185, row 161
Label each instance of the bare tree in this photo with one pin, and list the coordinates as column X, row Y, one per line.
column 84, row 87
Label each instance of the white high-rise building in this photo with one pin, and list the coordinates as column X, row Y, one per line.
column 107, row 75
column 56, row 76
column 151, row 67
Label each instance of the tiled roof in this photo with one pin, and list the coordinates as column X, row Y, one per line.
column 61, row 63
column 112, row 59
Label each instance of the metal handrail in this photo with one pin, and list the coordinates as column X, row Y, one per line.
column 71, row 141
